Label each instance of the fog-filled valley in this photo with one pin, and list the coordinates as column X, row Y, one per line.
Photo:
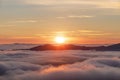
column 59, row 65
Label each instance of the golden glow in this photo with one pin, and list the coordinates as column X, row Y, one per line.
column 60, row 39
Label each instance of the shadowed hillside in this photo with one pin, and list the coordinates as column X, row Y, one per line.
column 114, row 47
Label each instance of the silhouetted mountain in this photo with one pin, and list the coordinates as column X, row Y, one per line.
column 115, row 47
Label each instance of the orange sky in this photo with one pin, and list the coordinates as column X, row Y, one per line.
column 40, row 21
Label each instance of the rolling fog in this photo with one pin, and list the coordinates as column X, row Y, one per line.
column 59, row 65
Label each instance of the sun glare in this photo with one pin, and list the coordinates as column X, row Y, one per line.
column 60, row 39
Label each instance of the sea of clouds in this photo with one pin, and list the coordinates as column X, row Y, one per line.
column 59, row 65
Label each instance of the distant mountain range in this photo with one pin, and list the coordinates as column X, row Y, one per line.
column 114, row 47
column 16, row 46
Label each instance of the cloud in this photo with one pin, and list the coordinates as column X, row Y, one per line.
column 114, row 4
column 88, row 31
column 82, row 16
column 63, row 65
column 84, row 32
column 24, row 21
column 16, row 67
column 98, row 3
column 76, row 16
column 89, row 70
column 6, row 25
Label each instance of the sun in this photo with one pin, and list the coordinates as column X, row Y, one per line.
column 60, row 39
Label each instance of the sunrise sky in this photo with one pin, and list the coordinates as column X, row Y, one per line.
column 40, row 21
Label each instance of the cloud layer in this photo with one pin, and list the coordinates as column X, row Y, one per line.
column 59, row 65
column 97, row 3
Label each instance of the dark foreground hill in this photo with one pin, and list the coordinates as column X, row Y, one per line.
column 114, row 47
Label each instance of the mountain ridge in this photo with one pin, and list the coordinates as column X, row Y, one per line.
column 113, row 47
